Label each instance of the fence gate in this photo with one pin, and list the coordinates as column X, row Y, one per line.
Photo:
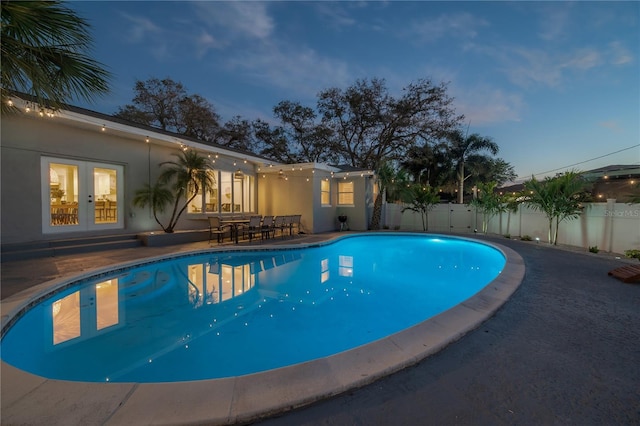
column 461, row 218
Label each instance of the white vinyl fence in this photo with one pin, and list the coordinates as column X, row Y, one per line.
column 611, row 226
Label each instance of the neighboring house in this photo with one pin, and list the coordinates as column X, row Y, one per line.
column 619, row 182
column 74, row 173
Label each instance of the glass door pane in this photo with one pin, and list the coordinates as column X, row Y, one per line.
column 60, row 194
column 105, row 190
column 79, row 196
column 105, row 198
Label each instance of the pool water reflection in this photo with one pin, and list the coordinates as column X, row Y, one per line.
column 233, row 313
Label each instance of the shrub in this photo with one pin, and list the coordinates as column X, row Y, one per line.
column 508, row 236
column 525, row 238
column 632, row 254
column 594, row 249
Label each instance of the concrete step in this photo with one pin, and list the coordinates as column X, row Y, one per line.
column 38, row 249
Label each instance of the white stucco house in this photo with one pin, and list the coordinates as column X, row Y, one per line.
column 73, row 173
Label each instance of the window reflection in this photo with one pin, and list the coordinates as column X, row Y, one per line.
column 345, row 266
column 106, row 304
column 324, row 270
column 86, row 312
column 66, row 318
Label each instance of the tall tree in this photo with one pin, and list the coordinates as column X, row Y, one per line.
column 271, row 142
column 165, row 104
column 237, row 133
column 392, row 185
column 429, row 164
column 370, row 126
column 44, row 53
column 481, row 168
column 308, row 141
column 461, row 147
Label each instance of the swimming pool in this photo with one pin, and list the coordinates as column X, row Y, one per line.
column 225, row 314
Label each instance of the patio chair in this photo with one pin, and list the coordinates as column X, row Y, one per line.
column 216, row 228
column 295, row 224
column 253, row 228
column 267, row 227
column 627, row 274
column 279, row 224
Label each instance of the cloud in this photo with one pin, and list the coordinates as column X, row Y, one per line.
column 461, row 25
column 141, row 28
column 526, row 67
column 205, row 42
column 555, row 20
column 613, row 125
column 335, row 14
column 300, row 70
column 619, row 55
column 487, row 105
column 238, row 19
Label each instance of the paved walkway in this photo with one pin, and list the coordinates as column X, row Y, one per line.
column 564, row 350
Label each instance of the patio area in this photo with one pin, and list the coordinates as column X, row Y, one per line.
column 563, row 350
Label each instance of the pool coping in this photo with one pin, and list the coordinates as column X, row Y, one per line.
column 27, row 398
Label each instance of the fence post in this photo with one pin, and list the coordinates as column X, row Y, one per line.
column 608, row 224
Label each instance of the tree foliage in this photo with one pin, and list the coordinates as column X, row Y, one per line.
column 165, row 104
column 489, row 203
column 461, row 148
column 423, row 199
column 44, row 54
column 369, row 125
column 392, row 185
column 187, row 174
column 559, row 198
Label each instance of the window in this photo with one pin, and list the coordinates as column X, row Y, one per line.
column 208, row 203
column 229, row 193
column 345, row 193
column 325, row 192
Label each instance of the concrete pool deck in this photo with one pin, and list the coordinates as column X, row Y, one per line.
column 564, row 349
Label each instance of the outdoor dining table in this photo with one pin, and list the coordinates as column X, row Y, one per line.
column 234, row 226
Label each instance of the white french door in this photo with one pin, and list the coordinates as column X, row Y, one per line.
column 81, row 195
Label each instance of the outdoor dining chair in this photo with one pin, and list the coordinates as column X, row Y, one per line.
column 267, row 227
column 216, row 228
column 253, row 228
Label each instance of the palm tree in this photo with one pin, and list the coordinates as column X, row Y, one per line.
column 391, row 184
column 157, row 196
column 184, row 176
column 488, row 202
column 461, row 147
column 511, row 203
column 423, row 200
column 42, row 54
column 559, row 198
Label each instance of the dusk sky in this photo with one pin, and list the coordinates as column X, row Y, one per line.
column 555, row 84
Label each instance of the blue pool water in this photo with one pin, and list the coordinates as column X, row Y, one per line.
column 228, row 314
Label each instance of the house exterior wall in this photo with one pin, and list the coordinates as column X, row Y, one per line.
column 27, row 138
column 358, row 215
column 72, row 136
column 300, row 193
